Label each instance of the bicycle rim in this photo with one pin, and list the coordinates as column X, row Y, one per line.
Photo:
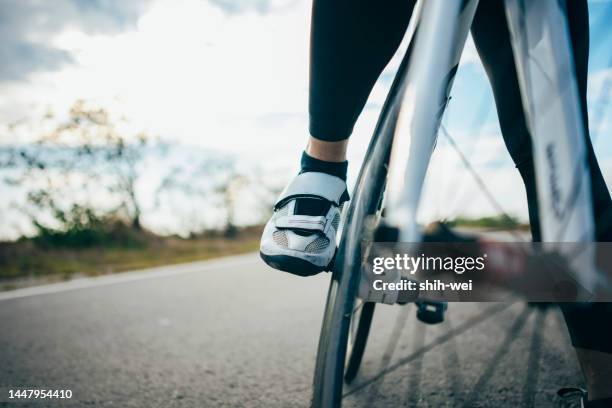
column 331, row 353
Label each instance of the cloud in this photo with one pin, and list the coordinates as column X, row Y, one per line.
column 259, row 6
column 28, row 29
column 21, row 58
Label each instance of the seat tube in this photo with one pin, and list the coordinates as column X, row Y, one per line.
column 545, row 67
column 440, row 37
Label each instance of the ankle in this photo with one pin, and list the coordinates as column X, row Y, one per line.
column 334, row 152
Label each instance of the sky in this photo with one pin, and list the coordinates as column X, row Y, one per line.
column 232, row 76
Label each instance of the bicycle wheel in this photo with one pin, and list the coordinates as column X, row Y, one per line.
column 358, row 338
column 341, row 297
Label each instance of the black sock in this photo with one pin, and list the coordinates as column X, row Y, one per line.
column 313, row 206
column 337, row 169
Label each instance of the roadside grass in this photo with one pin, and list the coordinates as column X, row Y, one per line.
column 500, row 222
column 114, row 247
column 27, row 263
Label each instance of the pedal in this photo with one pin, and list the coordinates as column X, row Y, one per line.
column 431, row 312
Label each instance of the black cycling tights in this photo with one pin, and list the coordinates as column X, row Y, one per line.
column 353, row 40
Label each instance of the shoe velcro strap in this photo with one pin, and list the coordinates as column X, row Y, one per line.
column 304, row 222
column 315, row 185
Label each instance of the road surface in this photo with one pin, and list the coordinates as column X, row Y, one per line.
column 235, row 333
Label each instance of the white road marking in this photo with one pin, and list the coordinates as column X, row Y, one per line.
column 132, row 276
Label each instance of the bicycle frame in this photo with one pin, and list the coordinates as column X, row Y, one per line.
column 544, row 64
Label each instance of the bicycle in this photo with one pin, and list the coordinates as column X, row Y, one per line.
column 396, row 161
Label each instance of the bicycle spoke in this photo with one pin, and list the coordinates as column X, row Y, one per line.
column 462, row 328
column 359, row 306
column 478, row 124
column 486, row 375
column 533, row 366
column 491, row 198
column 452, row 364
column 396, row 333
column 416, row 374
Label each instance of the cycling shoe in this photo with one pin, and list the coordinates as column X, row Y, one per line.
column 300, row 238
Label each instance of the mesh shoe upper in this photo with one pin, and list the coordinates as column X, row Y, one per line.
column 302, row 230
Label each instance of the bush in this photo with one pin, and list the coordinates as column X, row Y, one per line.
column 82, row 228
column 499, row 222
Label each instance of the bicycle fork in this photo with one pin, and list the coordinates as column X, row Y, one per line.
column 438, row 42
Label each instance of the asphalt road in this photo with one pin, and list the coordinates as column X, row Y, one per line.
column 235, row 333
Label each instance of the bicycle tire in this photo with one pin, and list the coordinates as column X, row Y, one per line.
column 332, row 348
column 358, row 342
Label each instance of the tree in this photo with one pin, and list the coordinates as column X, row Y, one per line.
column 83, row 165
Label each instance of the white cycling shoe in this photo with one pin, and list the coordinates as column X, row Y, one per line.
column 300, row 238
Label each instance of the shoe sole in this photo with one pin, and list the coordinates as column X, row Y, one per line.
column 292, row 265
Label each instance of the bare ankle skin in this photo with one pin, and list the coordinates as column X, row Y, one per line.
column 327, row 151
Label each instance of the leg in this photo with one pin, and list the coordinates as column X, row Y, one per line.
column 586, row 322
column 351, row 43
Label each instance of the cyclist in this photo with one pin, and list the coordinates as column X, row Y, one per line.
column 351, row 43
